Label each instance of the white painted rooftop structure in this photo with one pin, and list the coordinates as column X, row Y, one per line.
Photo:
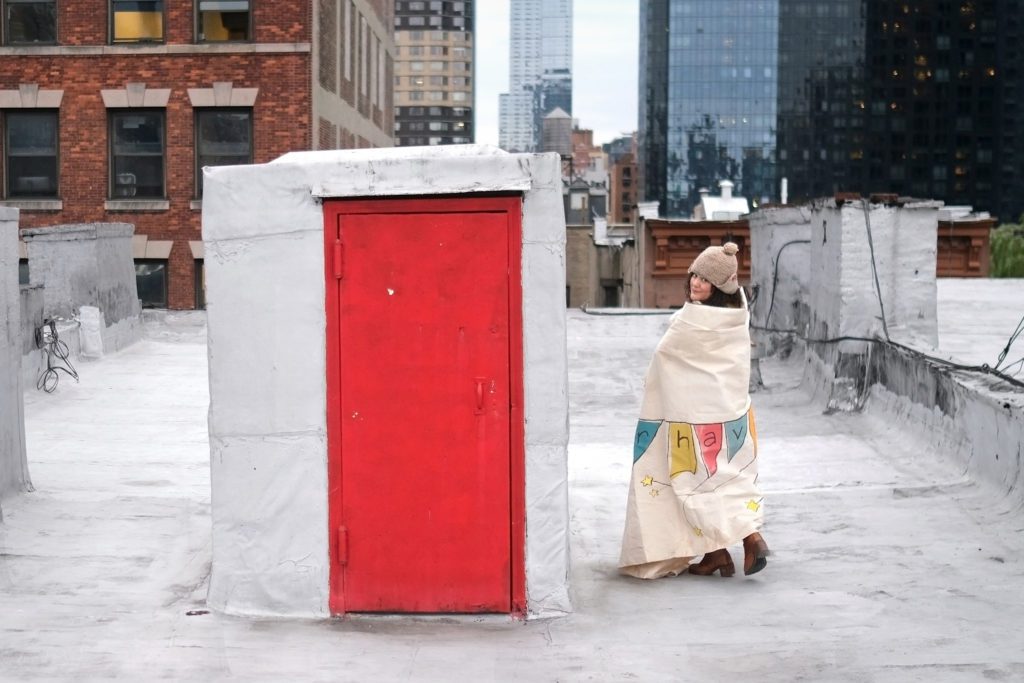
column 263, row 229
column 725, row 207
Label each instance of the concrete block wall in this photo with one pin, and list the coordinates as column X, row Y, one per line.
column 13, row 463
column 814, row 271
column 31, row 310
column 852, row 244
column 844, row 295
column 780, row 278
column 88, row 264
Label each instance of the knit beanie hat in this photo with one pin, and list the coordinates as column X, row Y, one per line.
column 718, row 266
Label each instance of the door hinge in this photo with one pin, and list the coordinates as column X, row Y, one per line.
column 342, row 545
column 339, row 260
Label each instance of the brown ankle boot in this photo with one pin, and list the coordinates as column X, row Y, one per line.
column 755, row 554
column 716, row 561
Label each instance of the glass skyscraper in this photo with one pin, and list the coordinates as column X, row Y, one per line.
column 708, row 86
column 540, row 71
column 914, row 98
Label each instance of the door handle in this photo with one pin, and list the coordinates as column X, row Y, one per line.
column 480, row 381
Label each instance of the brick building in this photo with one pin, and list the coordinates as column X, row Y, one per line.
column 110, row 109
column 622, row 189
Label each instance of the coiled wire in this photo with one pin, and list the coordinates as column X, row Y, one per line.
column 57, row 356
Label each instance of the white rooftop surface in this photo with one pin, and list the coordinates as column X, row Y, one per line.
column 888, row 564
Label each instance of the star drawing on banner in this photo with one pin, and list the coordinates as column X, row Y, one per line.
column 698, row 531
column 753, row 505
column 654, row 493
column 647, row 481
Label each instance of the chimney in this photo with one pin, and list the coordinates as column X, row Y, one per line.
column 600, row 229
column 726, row 186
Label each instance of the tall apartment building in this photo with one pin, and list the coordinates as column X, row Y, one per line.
column 540, row 71
column 434, row 72
column 110, row 109
column 918, row 98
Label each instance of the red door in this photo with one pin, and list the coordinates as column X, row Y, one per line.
column 424, row 393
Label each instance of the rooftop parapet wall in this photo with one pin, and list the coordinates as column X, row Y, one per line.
column 978, row 420
column 87, row 264
column 13, row 463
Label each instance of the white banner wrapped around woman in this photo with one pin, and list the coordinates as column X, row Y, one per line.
column 693, row 488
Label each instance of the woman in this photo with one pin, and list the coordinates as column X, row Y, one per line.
column 694, row 488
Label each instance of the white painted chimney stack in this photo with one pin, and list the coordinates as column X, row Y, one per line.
column 726, row 186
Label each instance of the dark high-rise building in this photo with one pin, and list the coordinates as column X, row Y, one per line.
column 905, row 98
column 933, row 88
column 434, row 72
column 917, row 98
column 822, row 110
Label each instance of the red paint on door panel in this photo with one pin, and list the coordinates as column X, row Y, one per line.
column 424, row 386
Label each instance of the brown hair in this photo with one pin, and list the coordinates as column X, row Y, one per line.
column 717, row 298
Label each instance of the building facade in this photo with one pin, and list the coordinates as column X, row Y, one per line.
column 111, row 109
column 540, row 71
column 822, row 98
column 434, row 72
column 622, row 179
column 917, row 98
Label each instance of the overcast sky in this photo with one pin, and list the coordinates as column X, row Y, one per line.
column 604, row 44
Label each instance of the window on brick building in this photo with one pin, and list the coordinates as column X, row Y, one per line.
column 223, row 137
column 136, row 21
column 200, row 283
column 223, row 21
column 151, row 282
column 30, row 22
column 30, row 154
column 137, row 150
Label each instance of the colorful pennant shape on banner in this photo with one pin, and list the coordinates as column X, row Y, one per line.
column 645, row 431
column 736, row 435
column 710, row 437
column 683, row 455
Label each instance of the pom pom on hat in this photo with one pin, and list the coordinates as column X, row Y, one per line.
column 718, row 266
